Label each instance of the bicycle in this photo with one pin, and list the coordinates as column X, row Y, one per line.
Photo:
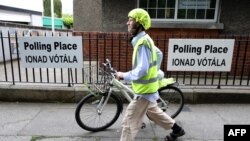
column 102, row 106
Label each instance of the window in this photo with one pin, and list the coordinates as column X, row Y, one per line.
column 181, row 10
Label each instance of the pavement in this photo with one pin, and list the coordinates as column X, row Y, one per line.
column 20, row 121
column 45, row 112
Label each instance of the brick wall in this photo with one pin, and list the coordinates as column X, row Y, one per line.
column 116, row 47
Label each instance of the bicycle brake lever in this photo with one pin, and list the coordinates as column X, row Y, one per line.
column 104, row 64
column 107, row 60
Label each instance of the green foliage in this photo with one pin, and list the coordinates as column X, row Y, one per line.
column 46, row 8
column 57, row 8
column 68, row 20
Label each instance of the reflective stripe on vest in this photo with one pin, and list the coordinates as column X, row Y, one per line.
column 154, row 63
column 148, row 83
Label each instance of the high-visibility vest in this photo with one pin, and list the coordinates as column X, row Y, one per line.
column 147, row 84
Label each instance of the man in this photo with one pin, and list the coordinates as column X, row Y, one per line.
column 144, row 81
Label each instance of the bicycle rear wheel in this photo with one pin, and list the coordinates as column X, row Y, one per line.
column 173, row 98
column 89, row 115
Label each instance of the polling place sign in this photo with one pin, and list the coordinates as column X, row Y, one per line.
column 200, row 54
column 51, row 52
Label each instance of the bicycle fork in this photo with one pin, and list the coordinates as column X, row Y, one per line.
column 103, row 102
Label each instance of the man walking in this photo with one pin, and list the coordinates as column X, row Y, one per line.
column 144, row 79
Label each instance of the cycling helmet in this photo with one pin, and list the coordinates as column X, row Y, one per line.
column 141, row 16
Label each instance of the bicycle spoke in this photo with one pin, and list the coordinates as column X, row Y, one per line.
column 87, row 115
column 174, row 100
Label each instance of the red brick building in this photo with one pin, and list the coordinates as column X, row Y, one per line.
column 102, row 24
column 172, row 16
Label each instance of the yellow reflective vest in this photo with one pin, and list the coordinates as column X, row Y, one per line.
column 147, row 84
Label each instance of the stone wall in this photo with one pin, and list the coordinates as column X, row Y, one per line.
column 235, row 16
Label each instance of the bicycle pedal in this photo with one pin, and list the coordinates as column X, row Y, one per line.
column 163, row 109
column 143, row 125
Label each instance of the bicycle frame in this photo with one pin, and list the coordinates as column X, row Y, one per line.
column 125, row 90
column 104, row 92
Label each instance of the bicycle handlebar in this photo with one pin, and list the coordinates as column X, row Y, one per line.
column 109, row 66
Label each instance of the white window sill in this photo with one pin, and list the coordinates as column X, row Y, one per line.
column 195, row 25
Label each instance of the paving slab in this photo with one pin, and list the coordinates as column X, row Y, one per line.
column 56, row 122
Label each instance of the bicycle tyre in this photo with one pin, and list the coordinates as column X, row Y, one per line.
column 174, row 98
column 90, row 119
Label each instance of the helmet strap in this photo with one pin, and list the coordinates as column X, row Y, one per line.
column 138, row 28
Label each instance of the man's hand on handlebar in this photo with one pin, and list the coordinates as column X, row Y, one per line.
column 119, row 75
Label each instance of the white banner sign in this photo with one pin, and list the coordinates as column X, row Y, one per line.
column 200, row 54
column 51, row 52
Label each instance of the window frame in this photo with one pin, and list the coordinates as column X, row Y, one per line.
column 175, row 20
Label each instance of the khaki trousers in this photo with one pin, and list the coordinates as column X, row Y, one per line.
column 134, row 116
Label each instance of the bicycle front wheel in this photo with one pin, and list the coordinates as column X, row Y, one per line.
column 173, row 98
column 91, row 115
